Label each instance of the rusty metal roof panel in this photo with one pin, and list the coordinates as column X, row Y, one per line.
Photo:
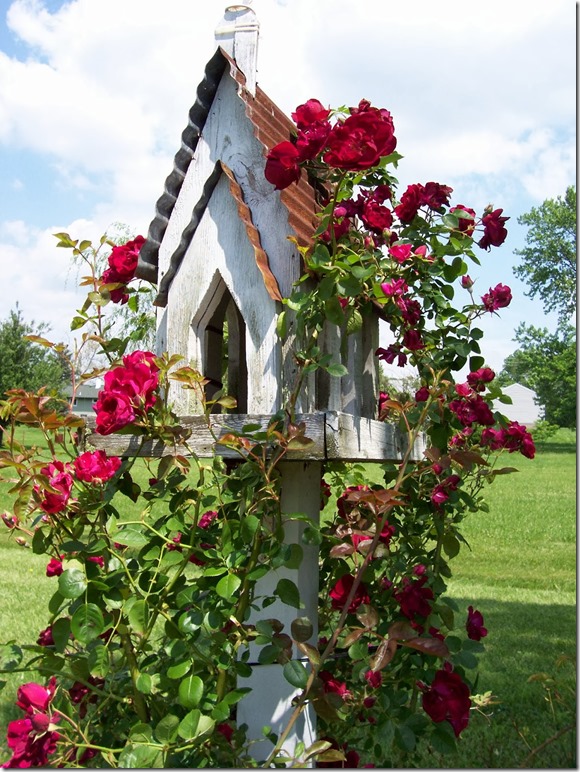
column 270, row 126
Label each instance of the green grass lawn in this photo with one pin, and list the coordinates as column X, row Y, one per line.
column 519, row 572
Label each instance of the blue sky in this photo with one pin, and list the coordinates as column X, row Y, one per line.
column 94, row 95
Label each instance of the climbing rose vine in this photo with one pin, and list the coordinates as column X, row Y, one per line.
column 155, row 561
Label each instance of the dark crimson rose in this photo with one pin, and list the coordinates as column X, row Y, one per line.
column 361, row 140
column 467, row 282
column 422, row 394
column 410, row 309
column 391, row 353
column 376, row 217
column 374, row 678
column 447, row 699
column 435, row 195
column 498, row 297
column 478, row 378
column 410, row 202
column 45, row 637
column 466, row 222
column 119, row 294
column 341, row 590
column 494, row 231
column 283, row 165
column 414, row 598
column 310, row 112
column 412, row 340
column 512, row 439
column 474, row 625
column 331, row 684
column 440, row 493
column 30, row 745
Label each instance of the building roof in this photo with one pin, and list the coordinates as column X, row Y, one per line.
column 270, row 126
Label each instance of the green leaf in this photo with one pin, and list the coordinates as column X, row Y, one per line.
column 178, row 670
column 336, row 369
column 250, row 525
column 144, row 683
column 228, row 586
column 443, row 738
column 10, row 656
column 131, row 535
column 451, row 545
column 139, row 756
column 166, row 729
column 333, row 311
column 72, row 583
column 296, row 674
column 302, row 629
column 61, row 633
column 98, row 660
column 87, row 623
column 190, row 691
column 282, row 325
column 139, row 616
column 288, row 593
column 194, row 725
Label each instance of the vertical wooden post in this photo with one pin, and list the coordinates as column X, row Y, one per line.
column 270, row 702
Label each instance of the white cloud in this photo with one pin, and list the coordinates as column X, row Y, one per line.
column 483, row 99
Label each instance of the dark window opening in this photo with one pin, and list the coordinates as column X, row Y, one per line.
column 225, row 355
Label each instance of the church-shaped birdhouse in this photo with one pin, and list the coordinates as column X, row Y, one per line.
column 222, row 249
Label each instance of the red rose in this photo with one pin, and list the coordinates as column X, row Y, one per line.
column 310, row 112
column 474, row 625
column 435, row 195
column 498, row 297
column 494, row 233
column 123, row 259
column 54, row 567
column 478, row 378
column 282, row 165
column 447, row 699
column 376, row 217
column 466, row 224
column 95, row 467
column 410, row 202
column 311, row 141
column 341, row 590
column 414, row 598
column 361, row 140
column 114, row 412
column 61, row 483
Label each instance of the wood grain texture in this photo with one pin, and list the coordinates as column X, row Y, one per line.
column 334, row 437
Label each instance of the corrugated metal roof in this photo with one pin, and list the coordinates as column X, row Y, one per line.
column 271, row 126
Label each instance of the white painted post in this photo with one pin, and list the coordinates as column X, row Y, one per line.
column 270, row 702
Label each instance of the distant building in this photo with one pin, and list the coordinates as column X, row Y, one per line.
column 85, row 397
column 523, row 409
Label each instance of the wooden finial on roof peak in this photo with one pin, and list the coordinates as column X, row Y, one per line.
column 237, row 34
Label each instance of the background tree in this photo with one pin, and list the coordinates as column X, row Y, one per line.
column 27, row 365
column 546, row 363
column 548, row 262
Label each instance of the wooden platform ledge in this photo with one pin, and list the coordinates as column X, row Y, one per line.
column 335, row 437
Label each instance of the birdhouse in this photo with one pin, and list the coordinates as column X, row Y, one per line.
column 222, row 248
column 223, row 251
